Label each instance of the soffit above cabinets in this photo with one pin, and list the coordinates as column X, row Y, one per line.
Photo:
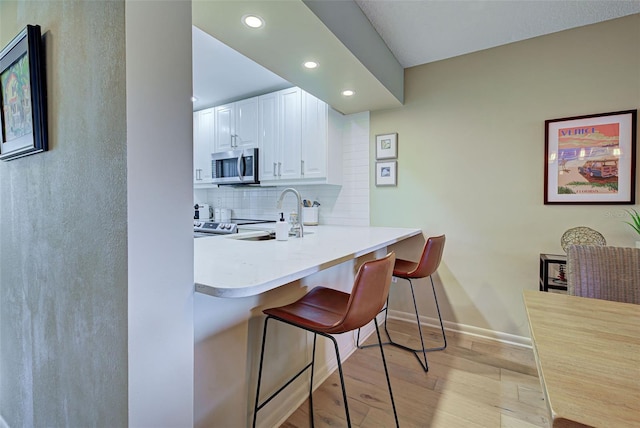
column 222, row 75
column 292, row 35
column 357, row 42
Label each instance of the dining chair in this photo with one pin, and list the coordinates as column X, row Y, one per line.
column 325, row 312
column 609, row 273
column 425, row 267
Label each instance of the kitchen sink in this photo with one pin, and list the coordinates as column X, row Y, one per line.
column 261, row 236
column 268, row 237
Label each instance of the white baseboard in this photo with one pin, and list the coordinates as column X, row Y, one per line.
column 298, row 395
column 499, row 336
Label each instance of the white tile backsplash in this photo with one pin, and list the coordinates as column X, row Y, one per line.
column 339, row 205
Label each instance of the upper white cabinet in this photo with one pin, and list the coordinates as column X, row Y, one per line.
column 289, row 153
column 268, row 133
column 314, row 137
column 305, row 147
column 299, row 137
column 203, row 126
column 279, row 135
column 236, row 125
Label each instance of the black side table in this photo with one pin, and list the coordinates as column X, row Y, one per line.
column 549, row 281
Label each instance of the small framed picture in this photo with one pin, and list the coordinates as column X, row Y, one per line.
column 387, row 146
column 23, row 101
column 387, row 173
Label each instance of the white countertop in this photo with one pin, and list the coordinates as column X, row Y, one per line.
column 228, row 267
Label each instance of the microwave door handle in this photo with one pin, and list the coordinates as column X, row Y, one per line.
column 239, row 166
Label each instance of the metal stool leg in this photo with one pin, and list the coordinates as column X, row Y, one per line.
column 311, row 365
column 423, row 362
column 264, row 336
column 386, row 372
column 375, row 322
column 344, row 390
column 444, row 336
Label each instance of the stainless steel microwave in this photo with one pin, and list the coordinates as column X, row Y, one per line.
column 235, row 167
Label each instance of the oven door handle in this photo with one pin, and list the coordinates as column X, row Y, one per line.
column 240, row 169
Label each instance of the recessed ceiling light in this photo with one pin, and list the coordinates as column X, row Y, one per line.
column 253, row 21
column 348, row 93
column 310, row 65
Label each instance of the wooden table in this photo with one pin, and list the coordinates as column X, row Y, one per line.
column 588, row 357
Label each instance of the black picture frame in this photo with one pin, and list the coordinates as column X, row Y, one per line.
column 23, row 99
column 591, row 159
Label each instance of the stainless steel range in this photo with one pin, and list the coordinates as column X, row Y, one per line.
column 202, row 228
column 213, row 227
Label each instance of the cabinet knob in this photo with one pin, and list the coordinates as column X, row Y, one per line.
column 275, row 169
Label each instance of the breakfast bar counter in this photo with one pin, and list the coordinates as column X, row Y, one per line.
column 236, row 279
column 226, row 266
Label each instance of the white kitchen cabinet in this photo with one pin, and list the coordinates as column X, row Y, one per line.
column 314, row 137
column 203, row 126
column 236, row 125
column 280, row 135
column 322, row 129
column 224, row 128
column 268, row 136
column 290, row 125
column 305, row 147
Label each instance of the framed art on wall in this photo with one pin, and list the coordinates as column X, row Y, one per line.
column 23, row 112
column 386, row 173
column 387, row 146
column 591, row 159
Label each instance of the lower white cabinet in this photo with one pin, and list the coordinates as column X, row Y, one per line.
column 203, row 127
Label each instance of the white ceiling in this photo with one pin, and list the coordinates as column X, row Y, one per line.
column 419, row 32
column 416, row 32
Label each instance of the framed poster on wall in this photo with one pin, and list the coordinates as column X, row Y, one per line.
column 591, row 159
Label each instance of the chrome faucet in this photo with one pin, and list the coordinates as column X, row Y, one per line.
column 299, row 232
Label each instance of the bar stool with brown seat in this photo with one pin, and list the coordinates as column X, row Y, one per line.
column 324, row 311
column 425, row 267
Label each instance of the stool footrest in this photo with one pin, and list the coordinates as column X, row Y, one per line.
column 406, row 348
column 272, row 396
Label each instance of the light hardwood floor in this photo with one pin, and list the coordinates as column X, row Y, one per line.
column 475, row 382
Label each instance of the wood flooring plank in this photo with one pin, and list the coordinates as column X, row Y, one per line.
column 508, row 421
column 475, row 382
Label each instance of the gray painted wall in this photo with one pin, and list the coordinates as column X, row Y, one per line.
column 63, row 235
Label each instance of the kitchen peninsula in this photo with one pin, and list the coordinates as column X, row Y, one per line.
column 232, row 267
column 235, row 280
